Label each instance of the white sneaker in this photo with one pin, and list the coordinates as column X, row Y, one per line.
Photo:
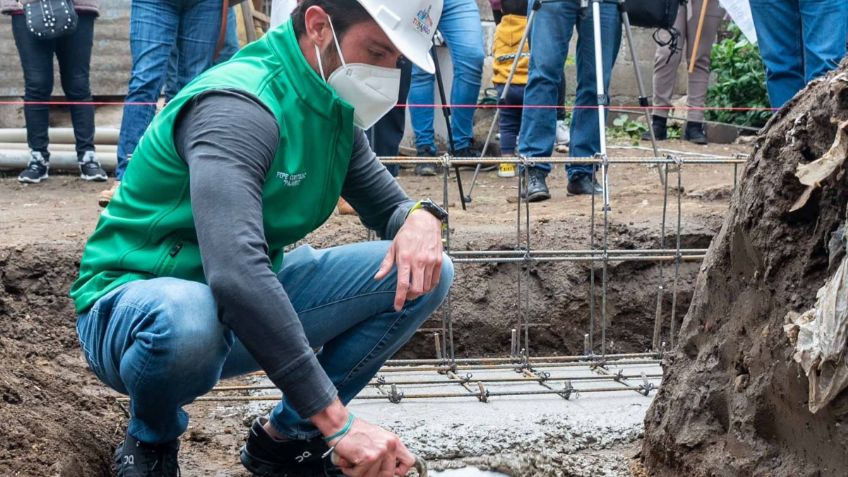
column 563, row 137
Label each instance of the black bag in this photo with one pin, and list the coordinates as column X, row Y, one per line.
column 50, row 19
column 653, row 13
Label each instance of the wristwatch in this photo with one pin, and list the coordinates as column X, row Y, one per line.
column 433, row 208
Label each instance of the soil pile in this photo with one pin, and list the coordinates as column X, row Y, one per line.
column 733, row 401
column 55, row 419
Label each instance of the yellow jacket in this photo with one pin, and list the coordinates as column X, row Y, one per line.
column 507, row 38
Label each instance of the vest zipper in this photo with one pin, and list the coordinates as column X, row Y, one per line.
column 330, row 169
column 175, row 249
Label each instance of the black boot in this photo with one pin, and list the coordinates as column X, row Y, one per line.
column 426, row 170
column 536, row 190
column 660, row 127
column 266, row 457
column 695, row 133
column 583, row 184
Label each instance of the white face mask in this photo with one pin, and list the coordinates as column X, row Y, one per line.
column 371, row 90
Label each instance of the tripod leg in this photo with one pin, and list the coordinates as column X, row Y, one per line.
column 602, row 96
column 536, row 6
column 643, row 98
column 447, row 112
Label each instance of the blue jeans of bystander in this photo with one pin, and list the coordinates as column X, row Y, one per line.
column 155, row 27
column 799, row 40
column 460, row 25
column 549, row 38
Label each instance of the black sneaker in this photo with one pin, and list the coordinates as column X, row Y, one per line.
column 536, row 190
column 660, row 126
column 426, row 169
column 694, row 133
column 134, row 458
column 90, row 169
column 583, row 184
column 266, row 457
column 36, row 170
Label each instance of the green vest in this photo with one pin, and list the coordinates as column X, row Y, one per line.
column 148, row 229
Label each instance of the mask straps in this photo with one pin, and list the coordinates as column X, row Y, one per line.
column 320, row 66
column 336, row 40
column 338, row 49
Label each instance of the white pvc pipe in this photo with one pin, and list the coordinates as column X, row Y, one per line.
column 60, row 160
column 108, row 136
column 17, row 146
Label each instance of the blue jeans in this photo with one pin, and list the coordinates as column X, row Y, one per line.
column 460, row 25
column 160, row 340
column 799, row 40
column 155, row 27
column 174, row 83
column 549, row 38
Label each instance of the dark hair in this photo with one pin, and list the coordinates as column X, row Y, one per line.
column 514, row 7
column 344, row 14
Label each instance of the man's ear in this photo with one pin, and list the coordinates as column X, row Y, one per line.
column 318, row 28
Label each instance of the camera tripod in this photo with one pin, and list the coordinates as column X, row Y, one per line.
column 599, row 76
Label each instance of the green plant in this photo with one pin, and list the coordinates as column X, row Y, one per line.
column 740, row 81
column 624, row 127
column 674, row 132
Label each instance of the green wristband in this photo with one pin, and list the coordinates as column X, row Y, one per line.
column 345, row 429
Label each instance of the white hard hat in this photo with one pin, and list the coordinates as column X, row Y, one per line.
column 410, row 25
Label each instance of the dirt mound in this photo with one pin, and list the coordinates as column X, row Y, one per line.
column 54, row 417
column 732, row 401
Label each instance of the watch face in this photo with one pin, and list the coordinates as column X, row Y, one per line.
column 434, row 209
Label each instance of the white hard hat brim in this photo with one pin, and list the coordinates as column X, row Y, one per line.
column 422, row 59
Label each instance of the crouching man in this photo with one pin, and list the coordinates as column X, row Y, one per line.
column 184, row 281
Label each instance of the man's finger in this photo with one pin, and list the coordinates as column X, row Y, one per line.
column 428, row 278
column 386, row 264
column 405, row 460
column 389, row 462
column 402, row 286
column 436, row 274
column 417, row 287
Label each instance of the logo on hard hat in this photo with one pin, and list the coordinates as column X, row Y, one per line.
column 422, row 21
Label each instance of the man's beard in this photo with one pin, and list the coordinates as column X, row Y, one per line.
column 331, row 60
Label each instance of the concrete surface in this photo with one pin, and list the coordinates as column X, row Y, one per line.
column 508, row 433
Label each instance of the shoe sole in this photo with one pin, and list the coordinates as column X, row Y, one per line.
column 262, row 468
column 570, row 193
column 259, row 467
column 94, row 178
column 27, row 180
column 539, row 197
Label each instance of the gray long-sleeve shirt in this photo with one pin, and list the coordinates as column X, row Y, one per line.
column 229, row 141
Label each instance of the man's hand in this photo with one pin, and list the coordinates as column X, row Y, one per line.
column 417, row 253
column 368, row 450
column 365, row 450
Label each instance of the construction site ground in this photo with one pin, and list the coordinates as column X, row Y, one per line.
column 591, row 434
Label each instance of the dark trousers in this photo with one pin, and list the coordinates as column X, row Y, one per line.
column 561, row 98
column 73, row 53
column 509, row 122
column 386, row 135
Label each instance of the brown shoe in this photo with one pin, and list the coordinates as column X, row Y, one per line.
column 106, row 196
column 345, row 208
